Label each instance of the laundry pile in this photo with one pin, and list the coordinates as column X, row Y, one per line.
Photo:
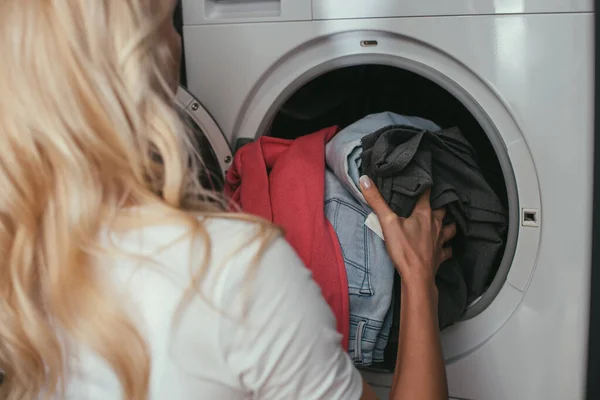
column 309, row 186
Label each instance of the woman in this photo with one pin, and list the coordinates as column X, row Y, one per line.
column 121, row 277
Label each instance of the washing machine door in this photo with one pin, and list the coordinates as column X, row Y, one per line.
column 212, row 145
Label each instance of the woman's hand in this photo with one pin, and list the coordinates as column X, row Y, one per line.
column 415, row 244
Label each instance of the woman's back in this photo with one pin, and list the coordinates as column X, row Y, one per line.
column 249, row 329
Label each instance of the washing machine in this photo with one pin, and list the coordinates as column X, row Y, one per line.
column 516, row 76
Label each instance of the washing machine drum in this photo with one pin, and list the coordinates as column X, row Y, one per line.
column 346, row 95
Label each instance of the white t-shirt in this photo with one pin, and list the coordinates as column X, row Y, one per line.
column 287, row 347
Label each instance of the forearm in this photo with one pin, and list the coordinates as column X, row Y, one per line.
column 420, row 372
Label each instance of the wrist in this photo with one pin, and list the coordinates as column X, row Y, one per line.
column 419, row 286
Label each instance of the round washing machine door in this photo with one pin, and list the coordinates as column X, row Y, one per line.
column 212, row 145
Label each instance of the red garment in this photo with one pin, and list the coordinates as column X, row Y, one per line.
column 283, row 181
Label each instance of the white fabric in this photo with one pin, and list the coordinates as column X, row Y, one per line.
column 286, row 348
column 372, row 222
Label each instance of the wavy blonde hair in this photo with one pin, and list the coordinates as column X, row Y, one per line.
column 87, row 127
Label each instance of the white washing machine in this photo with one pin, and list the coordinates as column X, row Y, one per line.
column 515, row 75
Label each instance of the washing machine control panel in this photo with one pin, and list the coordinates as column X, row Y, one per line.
column 206, row 12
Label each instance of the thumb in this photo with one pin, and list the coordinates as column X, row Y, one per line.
column 374, row 199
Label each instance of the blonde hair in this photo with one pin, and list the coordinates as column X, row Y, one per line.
column 87, row 126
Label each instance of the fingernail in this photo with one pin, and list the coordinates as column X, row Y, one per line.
column 365, row 182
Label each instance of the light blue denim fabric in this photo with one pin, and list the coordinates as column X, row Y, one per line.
column 369, row 269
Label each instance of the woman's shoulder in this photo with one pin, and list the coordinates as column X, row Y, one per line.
column 229, row 262
column 203, row 234
column 242, row 249
column 229, row 231
column 222, row 251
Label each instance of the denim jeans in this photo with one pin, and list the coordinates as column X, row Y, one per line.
column 369, row 269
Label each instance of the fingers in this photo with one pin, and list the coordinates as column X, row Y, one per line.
column 439, row 214
column 423, row 204
column 376, row 201
column 447, row 233
column 445, row 254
